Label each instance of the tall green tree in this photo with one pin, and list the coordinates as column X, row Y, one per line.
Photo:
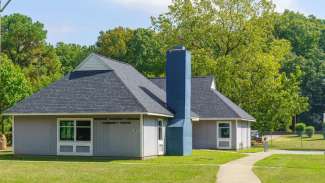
column 44, row 69
column 24, row 43
column 114, row 43
column 302, row 32
column 13, row 85
column 141, row 47
column 145, row 52
column 70, row 55
column 307, row 37
column 233, row 40
column 21, row 37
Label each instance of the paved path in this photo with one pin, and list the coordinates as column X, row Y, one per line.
column 240, row 171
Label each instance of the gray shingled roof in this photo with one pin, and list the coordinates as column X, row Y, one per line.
column 98, row 85
column 208, row 102
column 103, row 85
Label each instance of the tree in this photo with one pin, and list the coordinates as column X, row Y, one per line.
column 21, row 37
column 24, row 43
column 70, row 55
column 306, row 35
column 13, row 85
column 232, row 40
column 144, row 52
column 141, row 48
column 114, row 43
column 302, row 32
column 44, row 69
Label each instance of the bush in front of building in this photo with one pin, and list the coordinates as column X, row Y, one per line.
column 323, row 130
column 310, row 131
column 300, row 129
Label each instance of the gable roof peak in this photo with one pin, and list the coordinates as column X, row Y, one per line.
column 93, row 63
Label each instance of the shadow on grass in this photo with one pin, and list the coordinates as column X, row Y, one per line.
column 310, row 139
column 9, row 156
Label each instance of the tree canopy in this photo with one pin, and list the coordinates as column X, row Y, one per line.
column 13, row 85
column 232, row 40
column 24, row 43
column 306, row 35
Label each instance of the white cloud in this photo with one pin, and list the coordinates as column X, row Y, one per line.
column 152, row 6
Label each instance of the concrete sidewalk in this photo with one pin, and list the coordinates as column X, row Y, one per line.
column 240, row 171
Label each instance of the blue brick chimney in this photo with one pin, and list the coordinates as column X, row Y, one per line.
column 178, row 91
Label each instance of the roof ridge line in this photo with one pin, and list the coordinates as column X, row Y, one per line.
column 137, row 100
column 111, row 59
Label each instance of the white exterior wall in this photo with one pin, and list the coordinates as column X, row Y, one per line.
column 205, row 134
column 119, row 140
column 243, row 135
column 34, row 135
column 150, row 136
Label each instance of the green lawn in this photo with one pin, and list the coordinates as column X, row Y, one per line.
column 202, row 166
column 293, row 142
column 291, row 169
column 253, row 149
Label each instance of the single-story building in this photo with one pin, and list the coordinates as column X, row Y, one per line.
column 107, row 108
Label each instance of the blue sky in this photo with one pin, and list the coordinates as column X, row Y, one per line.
column 79, row 21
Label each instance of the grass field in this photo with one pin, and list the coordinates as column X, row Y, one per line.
column 293, row 142
column 253, row 149
column 202, row 166
column 291, row 169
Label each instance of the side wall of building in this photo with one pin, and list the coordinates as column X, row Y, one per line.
column 35, row 135
column 204, row 134
column 243, row 135
column 234, row 135
column 117, row 138
column 150, row 136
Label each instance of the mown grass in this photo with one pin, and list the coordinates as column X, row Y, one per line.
column 293, row 142
column 202, row 166
column 291, row 169
column 253, row 149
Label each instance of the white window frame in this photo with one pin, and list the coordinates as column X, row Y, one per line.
column 75, row 143
column 224, row 139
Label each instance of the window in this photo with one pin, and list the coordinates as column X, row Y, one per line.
column 160, row 132
column 83, row 130
column 224, row 130
column 67, row 130
column 75, row 130
column 74, row 136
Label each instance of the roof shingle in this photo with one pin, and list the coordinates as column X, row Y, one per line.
column 103, row 85
column 208, row 102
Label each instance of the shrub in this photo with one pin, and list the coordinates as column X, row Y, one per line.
column 310, row 131
column 323, row 130
column 300, row 129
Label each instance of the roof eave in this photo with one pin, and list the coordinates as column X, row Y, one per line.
column 87, row 114
column 226, row 119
